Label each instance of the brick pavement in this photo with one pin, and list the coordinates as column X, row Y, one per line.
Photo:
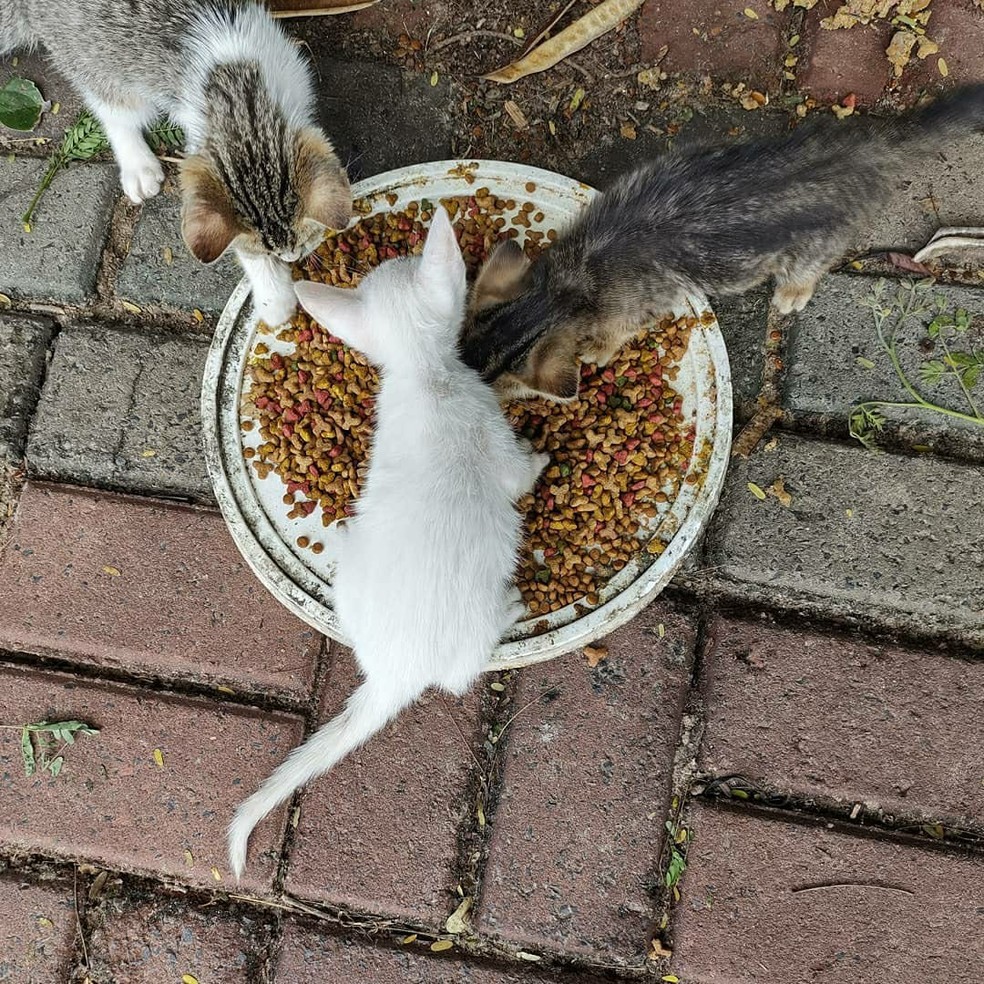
column 798, row 723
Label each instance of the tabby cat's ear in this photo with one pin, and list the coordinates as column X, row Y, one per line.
column 321, row 181
column 209, row 222
column 553, row 367
column 502, row 278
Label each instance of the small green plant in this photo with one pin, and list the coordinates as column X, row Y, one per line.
column 84, row 139
column 944, row 332
column 43, row 743
column 677, row 865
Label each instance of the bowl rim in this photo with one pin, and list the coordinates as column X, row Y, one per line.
column 220, row 403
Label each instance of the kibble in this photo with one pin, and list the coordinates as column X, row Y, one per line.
column 615, row 453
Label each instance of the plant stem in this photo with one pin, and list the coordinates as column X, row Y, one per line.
column 925, row 405
column 53, row 168
column 959, row 375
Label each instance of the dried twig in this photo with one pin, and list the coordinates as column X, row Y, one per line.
column 768, row 409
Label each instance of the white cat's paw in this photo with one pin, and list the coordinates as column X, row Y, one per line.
column 540, row 461
column 276, row 307
column 142, row 180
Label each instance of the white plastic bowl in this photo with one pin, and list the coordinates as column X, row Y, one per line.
column 257, row 517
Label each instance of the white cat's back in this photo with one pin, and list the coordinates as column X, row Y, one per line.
column 435, row 540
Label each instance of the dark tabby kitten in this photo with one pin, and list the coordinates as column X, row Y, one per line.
column 717, row 221
column 260, row 176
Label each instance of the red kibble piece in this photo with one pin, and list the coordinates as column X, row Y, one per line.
column 587, row 482
column 287, row 430
column 335, row 451
column 313, row 472
column 291, row 415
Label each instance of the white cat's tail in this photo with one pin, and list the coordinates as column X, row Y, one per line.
column 367, row 710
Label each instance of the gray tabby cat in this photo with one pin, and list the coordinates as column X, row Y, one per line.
column 717, row 221
column 259, row 176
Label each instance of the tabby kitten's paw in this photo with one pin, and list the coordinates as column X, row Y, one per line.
column 275, row 307
column 142, row 181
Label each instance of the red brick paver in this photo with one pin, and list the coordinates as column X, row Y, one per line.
column 716, row 38
column 834, row 64
column 577, row 833
column 150, row 587
column 379, row 832
column 114, row 804
column 831, row 717
column 309, row 955
column 164, row 940
column 765, row 901
column 957, row 26
column 37, row 930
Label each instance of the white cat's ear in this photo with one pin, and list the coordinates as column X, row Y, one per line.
column 338, row 309
column 209, row 223
column 321, row 181
column 442, row 254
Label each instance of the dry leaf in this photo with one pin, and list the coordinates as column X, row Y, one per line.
column 628, row 131
column 316, row 8
column 168, row 254
column 595, row 654
column 900, row 49
column 159, row 758
column 412, row 938
column 756, row 490
column 907, row 263
column 216, row 875
column 529, row 957
column 750, row 14
column 457, row 922
column 515, row 114
column 658, row 952
column 596, row 22
column 189, row 858
column 754, row 100
column 131, row 307
column 112, row 571
column 189, row 979
column 438, row 945
column 778, row 489
column 941, row 65
column 5, row 301
column 926, row 48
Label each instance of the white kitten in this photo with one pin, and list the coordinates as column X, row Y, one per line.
column 424, row 572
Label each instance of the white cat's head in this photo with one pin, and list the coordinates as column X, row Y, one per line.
column 411, row 306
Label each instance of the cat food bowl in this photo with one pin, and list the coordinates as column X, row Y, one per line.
column 273, row 543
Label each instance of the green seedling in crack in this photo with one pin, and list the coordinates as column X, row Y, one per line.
column 43, row 743
column 944, row 333
column 84, row 140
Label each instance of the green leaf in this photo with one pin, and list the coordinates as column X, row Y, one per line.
column 21, row 105
column 67, row 737
column 932, row 372
column 27, row 752
column 971, row 376
column 55, row 766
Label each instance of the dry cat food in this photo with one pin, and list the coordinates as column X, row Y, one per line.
column 617, row 453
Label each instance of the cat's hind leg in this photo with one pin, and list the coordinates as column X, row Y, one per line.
column 141, row 173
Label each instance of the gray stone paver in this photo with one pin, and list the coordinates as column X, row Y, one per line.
column 120, row 407
column 59, row 258
column 23, row 348
column 824, row 375
column 883, row 538
column 178, row 279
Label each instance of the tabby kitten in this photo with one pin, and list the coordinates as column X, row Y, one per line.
column 715, row 221
column 259, row 176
